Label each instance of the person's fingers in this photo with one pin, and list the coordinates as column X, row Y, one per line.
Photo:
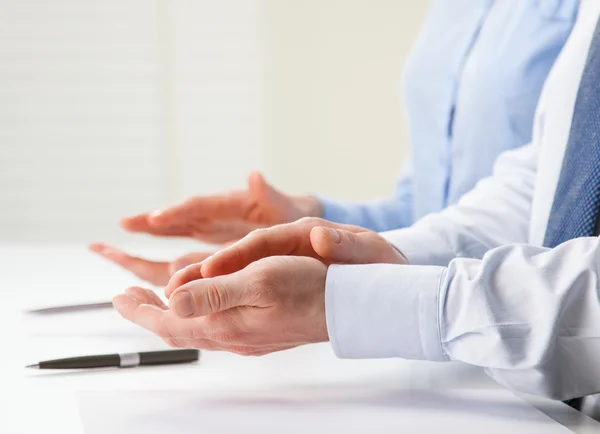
column 260, row 189
column 276, row 241
column 146, row 296
column 222, row 231
column 157, row 273
column 141, row 224
column 133, row 307
column 256, row 183
column 272, row 206
column 96, row 247
column 136, row 223
column 144, row 308
column 183, row 276
column 183, row 211
column 286, row 239
column 185, row 269
column 339, row 245
column 148, row 316
column 225, row 206
column 162, row 322
column 189, row 259
column 207, row 296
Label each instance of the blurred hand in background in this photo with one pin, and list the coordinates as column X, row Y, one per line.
column 213, row 219
column 225, row 217
column 155, row 272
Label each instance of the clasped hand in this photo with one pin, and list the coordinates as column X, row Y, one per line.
column 264, row 293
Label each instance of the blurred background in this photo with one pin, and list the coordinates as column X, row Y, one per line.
column 109, row 108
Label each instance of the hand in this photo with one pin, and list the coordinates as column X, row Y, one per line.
column 225, row 217
column 157, row 273
column 312, row 237
column 274, row 304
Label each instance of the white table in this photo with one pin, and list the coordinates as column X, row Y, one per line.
column 307, row 383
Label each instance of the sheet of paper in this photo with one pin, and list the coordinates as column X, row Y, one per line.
column 304, row 410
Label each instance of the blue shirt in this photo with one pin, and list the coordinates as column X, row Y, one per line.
column 471, row 86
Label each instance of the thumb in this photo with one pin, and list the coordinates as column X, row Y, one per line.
column 341, row 246
column 261, row 190
column 205, row 296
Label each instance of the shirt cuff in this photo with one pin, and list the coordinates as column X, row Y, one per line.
column 384, row 310
column 333, row 211
column 376, row 215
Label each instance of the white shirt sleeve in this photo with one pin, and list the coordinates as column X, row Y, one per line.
column 529, row 315
column 496, row 212
column 476, row 292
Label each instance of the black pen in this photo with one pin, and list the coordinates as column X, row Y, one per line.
column 125, row 360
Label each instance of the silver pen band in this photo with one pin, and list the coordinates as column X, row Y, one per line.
column 129, row 360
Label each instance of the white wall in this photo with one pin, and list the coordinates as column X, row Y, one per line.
column 113, row 107
column 337, row 121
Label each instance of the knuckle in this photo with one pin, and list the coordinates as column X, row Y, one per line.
column 215, row 297
column 257, row 234
column 255, row 239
